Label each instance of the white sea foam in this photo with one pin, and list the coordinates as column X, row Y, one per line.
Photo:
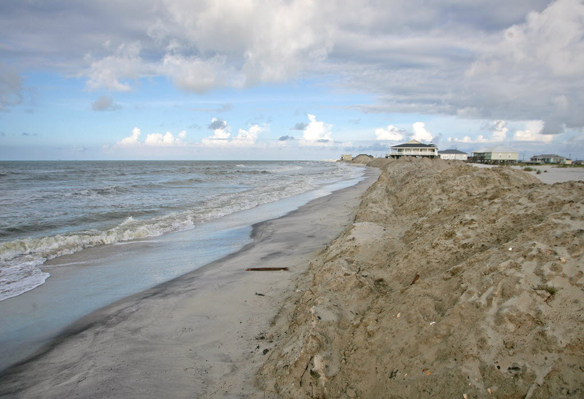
column 18, row 278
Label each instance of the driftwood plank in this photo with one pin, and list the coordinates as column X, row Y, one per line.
column 266, row 269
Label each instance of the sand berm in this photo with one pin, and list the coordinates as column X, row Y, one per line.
column 453, row 282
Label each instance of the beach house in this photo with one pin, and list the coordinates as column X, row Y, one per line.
column 413, row 148
column 548, row 158
column 495, row 155
column 453, row 155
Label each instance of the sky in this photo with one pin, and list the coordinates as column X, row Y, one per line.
column 288, row 79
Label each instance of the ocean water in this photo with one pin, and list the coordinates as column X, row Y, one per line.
column 52, row 209
column 77, row 236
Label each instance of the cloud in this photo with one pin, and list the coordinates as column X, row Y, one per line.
column 317, row 133
column 533, row 132
column 390, row 133
column 218, row 124
column 153, row 139
column 222, row 137
column 166, row 140
column 535, row 68
column 131, row 140
column 113, row 71
column 286, row 138
column 420, row 132
column 468, row 140
column 105, row 103
column 521, row 60
column 299, row 126
column 11, row 88
column 194, row 73
column 247, row 138
column 499, row 133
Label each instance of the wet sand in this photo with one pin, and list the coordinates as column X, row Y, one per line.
column 200, row 335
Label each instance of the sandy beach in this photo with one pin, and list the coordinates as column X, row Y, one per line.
column 453, row 282
column 201, row 335
column 439, row 280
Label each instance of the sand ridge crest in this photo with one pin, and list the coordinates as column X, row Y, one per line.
column 452, row 281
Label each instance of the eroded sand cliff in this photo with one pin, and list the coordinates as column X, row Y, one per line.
column 453, row 281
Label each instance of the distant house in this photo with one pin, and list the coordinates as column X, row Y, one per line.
column 495, row 155
column 548, row 158
column 454, row 155
column 346, row 157
column 413, row 148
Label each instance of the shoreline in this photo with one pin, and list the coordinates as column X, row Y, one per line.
column 200, row 333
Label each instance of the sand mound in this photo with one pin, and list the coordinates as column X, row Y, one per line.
column 452, row 281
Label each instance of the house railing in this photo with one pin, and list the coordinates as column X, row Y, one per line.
column 414, row 152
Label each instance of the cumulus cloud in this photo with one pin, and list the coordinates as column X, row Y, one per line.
column 533, row 132
column 166, row 140
column 390, row 133
column 420, row 132
column 105, row 103
column 247, row 138
column 317, row 133
column 131, row 140
column 286, row 138
column 153, row 139
column 244, row 138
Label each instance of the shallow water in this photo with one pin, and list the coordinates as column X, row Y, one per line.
column 90, row 279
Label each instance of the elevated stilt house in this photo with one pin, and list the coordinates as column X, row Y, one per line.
column 495, row 155
column 413, row 148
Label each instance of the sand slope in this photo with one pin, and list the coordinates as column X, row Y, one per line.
column 496, row 310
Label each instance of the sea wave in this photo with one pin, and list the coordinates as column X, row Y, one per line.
column 18, row 278
column 21, row 259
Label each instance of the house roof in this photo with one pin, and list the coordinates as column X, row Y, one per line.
column 452, row 152
column 497, row 148
column 547, row 156
column 414, row 144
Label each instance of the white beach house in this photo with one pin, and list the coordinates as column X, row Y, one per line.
column 413, row 148
column 495, row 155
column 549, row 158
column 453, row 155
